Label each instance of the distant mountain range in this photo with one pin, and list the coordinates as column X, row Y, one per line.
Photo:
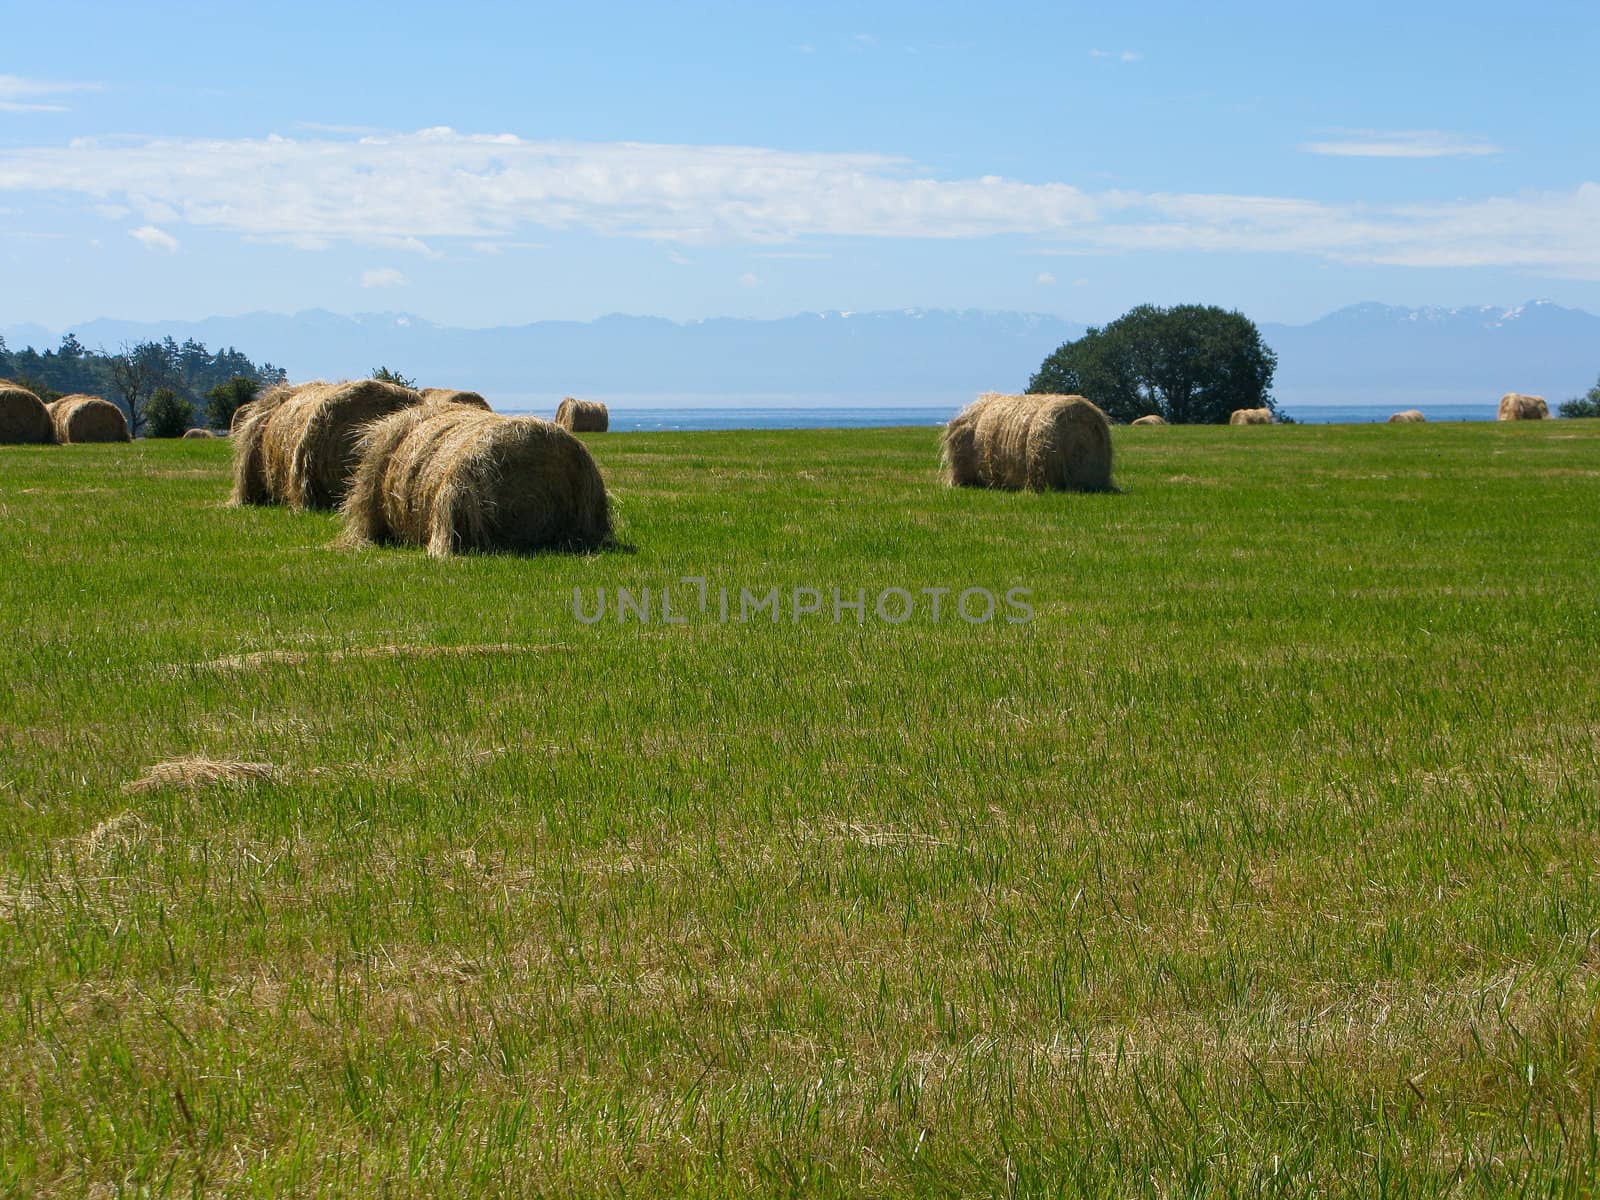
column 1378, row 354
column 1364, row 354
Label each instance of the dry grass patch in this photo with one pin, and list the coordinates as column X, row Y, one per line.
column 277, row 658
column 195, row 771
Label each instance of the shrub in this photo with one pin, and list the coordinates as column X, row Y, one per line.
column 167, row 415
column 227, row 398
column 1586, row 405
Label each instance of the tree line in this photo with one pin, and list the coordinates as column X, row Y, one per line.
column 163, row 387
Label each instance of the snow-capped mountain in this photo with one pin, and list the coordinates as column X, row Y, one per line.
column 1365, row 354
column 1379, row 354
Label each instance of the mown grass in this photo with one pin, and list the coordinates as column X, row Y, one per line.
column 1262, row 862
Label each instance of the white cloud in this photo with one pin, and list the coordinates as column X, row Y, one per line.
column 383, row 277
column 1404, row 143
column 322, row 127
column 1127, row 56
column 394, row 192
column 496, row 248
column 152, row 238
column 19, row 95
column 1044, row 279
column 749, row 280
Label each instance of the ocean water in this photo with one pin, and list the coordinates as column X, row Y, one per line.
column 630, row 419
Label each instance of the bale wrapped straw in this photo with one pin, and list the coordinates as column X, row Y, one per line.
column 79, row 418
column 583, row 416
column 452, row 396
column 1151, row 419
column 24, row 419
column 1038, row 442
column 960, row 453
column 197, row 434
column 1250, row 416
column 455, row 479
column 1409, row 416
column 248, row 430
column 299, row 448
column 1514, row 406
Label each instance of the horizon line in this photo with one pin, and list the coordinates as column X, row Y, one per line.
column 909, row 310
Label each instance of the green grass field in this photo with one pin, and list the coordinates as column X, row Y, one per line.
column 1264, row 861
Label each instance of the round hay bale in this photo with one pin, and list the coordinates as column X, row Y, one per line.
column 452, row 396
column 1409, row 416
column 455, row 479
column 248, row 430
column 305, row 447
column 1514, row 406
column 80, row 418
column 1250, row 416
column 1151, row 419
column 24, row 419
column 1038, row 442
column 197, row 434
column 959, row 456
column 583, row 416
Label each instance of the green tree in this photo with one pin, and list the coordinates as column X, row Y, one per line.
column 167, row 415
column 226, row 399
column 1192, row 364
column 388, row 376
column 1586, row 405
column 137, row 372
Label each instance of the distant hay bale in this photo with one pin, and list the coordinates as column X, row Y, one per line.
column 300, row 449
column 24, row 419
column 1037, row 442
column 1250, row 416
column 455, row 479
column 1151, row 419
column 1514, row 406
column 1409, row 417
column 197, row 434
column 80, row 418
column 583, row 416
column 452, row 396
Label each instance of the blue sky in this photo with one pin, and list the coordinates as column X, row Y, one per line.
column 489, row 164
